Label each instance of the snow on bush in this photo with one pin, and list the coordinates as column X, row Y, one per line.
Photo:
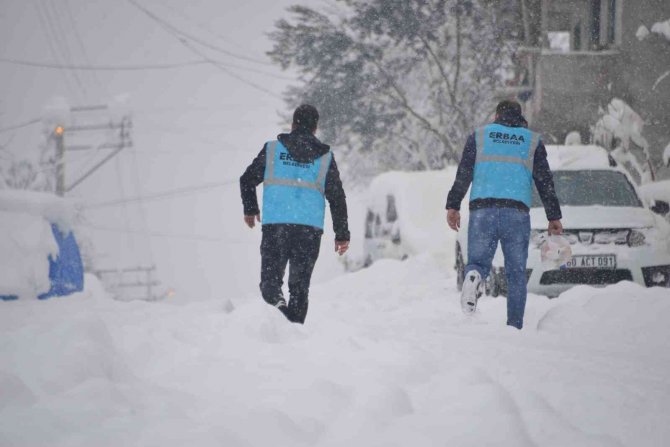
column 573, row 139
column 662, row 28
column 642, row 33
column 619, row 130
column 666, row 155
column 622, row 122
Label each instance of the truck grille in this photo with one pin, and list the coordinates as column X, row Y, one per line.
column 585, row 276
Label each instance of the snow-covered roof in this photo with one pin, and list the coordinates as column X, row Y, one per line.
column 577, row 157
column 52, row 208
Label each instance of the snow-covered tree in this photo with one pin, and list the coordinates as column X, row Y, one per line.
column 660, row 32
column 619, row 130
column 23, row 173
column 399, row 84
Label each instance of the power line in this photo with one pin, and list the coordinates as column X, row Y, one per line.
column 161, row 195
column 82, row 47
column 50, row 44
column 176, row 34
column 103, row 67
column 202, row 42
column 143, row 214
column 87, row 67
column 21, row 125
column 53, row 17
column 200, row 25
column 156, row 233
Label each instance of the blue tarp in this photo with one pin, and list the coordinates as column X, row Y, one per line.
column 66, row 272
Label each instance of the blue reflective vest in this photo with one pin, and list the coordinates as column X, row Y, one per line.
column 504, row 163
column 293, row 192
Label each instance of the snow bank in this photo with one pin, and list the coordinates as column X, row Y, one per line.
column 612, row 315
column 386, row 359
column 662, row 28
column 26, row 240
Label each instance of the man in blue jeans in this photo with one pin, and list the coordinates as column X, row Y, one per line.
column 502, row 160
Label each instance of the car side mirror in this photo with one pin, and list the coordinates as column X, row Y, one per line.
column 661, row 207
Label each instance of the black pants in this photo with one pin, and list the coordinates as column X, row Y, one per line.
column 298, row 246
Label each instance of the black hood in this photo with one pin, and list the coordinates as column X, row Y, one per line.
column 512, row 119
column 303, row 146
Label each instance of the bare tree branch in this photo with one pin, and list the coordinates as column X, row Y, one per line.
column 459, row 43
column 443, row 74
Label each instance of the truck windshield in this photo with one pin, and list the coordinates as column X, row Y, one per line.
column 592, row 187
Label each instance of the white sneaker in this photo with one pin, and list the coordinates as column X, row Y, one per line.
column 471, row 292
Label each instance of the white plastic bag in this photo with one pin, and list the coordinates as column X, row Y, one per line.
column 555, row 252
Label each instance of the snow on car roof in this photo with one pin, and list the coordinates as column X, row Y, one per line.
column 577, row 157
column 656, row 190
column 49, row 206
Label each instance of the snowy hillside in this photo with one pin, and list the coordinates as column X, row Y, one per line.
column 386, row 359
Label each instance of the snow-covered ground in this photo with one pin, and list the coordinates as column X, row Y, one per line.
column 386, row 359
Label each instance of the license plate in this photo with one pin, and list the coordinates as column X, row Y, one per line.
column 592, row 261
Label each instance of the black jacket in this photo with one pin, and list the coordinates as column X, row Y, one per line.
column 304, row 147
column 544, row 181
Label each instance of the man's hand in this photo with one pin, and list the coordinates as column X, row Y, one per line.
column 555, row 227
column 251, row 220
column 341, row 247
column 454, row 219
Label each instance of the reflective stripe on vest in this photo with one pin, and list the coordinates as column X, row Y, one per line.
column 293, row 192
column 504, row 163
column 270, row 179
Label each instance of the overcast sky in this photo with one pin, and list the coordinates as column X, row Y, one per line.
column 192, row 126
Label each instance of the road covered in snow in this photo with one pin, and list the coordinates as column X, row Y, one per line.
column 386, row 359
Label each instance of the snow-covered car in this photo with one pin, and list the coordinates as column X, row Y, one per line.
column 405, row 214
column 614, row 234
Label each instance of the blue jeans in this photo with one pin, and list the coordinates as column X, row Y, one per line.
column 512, row 228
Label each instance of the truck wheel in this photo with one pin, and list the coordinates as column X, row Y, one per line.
column 494, row 285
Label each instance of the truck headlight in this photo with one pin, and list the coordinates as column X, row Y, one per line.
column 619, row 237
column 636, row 238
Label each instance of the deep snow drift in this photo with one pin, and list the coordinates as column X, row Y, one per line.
column 386, row 359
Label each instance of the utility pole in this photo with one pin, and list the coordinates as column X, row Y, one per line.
column 122, row 127
column 60, row 160
column 124, row 141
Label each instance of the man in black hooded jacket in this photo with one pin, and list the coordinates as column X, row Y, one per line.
column 299, row 174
